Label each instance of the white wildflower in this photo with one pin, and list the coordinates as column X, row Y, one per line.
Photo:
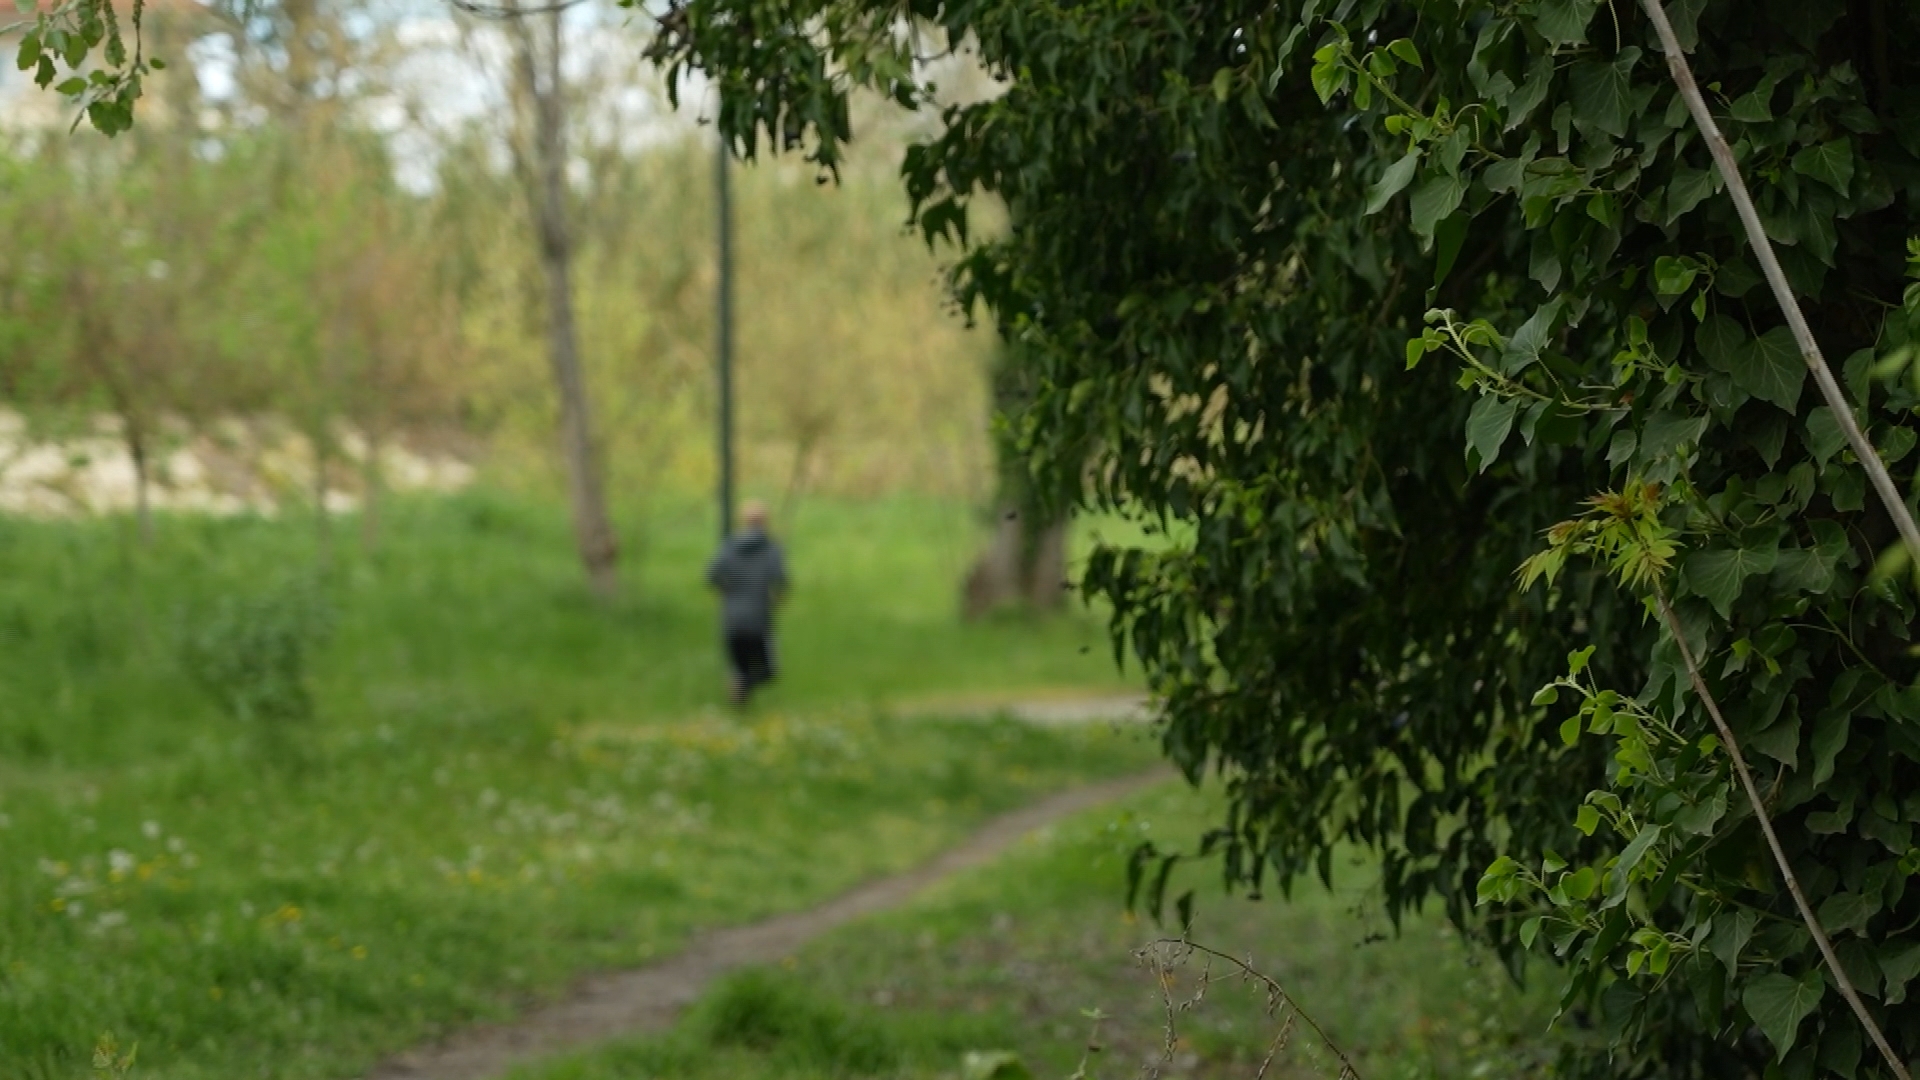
column 150, row 829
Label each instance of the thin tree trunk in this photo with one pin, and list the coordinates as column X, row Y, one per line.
column 322, row 520
column 592, row 526
column 373, row 483
column 142, row 481
column 1045, row 569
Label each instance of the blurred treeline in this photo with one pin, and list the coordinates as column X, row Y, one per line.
column 306, row 233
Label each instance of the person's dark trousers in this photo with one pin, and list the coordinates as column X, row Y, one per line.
column 751, row 656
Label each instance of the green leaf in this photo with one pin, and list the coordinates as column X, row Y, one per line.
column 1699, row 818
column 1578, row 659
column 1621, row 875
column 1899, row 963
column 1327, row 74
column 1392, row 181
column 1731, row 932
column 1756, row 106
column 1718, row 574
column 1436, row 198
column 1778, row 1003
column 1528, row 931
column 1831, row 163
column 1523, row 349
column 1720, row 339
column 1846, row 911
column 1687, row 190
column 1586, row 819
column 1580, row 884
column 1685, row 17
column 1546, row 695
column 1771, row 369
column 1674, row 276
column 1829, row 738
column 1603, row 92
column 1488, row 425
column 1824, row 437
column 1564, row 22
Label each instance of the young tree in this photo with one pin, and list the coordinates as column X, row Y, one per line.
column 538, row 145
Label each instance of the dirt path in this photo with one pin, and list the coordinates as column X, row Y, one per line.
column 648, row 999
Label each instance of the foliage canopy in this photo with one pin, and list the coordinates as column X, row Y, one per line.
column 1269, row 263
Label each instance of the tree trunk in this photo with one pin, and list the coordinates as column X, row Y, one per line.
column 592, row 527
column 323, row 521
column 142, row 481
column 1046, row 566
column 373, row 482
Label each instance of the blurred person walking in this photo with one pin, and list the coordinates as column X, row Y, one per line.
column 750, row 574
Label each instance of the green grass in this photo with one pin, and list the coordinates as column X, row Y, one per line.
column 504, row 783
column 1008, row 961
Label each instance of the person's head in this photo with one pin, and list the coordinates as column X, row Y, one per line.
column 753, row 515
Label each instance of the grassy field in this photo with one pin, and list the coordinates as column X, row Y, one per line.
column 501, row 783
column 1005, row 966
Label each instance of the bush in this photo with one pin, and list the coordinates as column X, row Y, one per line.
column 250, row 653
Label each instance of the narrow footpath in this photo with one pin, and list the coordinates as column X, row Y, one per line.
column 650, row 998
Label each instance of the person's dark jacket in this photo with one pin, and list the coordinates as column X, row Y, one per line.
column 750, row 573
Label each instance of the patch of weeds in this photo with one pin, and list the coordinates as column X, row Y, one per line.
column 251, row 654
column 780, row 1017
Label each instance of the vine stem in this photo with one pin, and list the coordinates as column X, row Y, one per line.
column 1773, row 839
column 1777, row 278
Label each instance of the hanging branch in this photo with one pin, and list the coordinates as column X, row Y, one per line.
column 1777, row 278
column 1773, row 840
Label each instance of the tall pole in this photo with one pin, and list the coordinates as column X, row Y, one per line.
column 725, row 340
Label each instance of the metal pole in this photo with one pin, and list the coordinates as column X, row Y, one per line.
column 725, row 342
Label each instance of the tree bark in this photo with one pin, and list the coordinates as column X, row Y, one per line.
column 142, row 481
column 545, row 179
column 1024, row 565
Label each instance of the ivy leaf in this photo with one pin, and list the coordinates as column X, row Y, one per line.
column 1685, row 16
column 1564, row 22
column 1831, row 163
column 1771, row 369
column 1778, row 1003
column 1603, row 92
column 1393, row 181
column 1439, row 196
column 1899, row 963
column 1829, row 738
column 1699, row 818
column 1846, row 910
column 1719, row 340
column 1824, row 437
column 1688, row 188
column 1717, row 575
column 1523, row 349
column 1731, row 932
column 1674, row 276
column 1488, row 425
